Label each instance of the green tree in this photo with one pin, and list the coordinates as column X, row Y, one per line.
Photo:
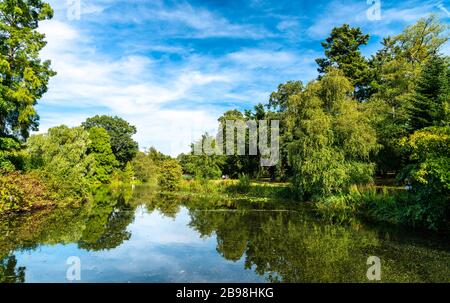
column 120, row 132
column 279, row 99
column 8, row 149
column 342, row 52
column 429, row 174
column 170, row 175
column 23, row 75
column 432, row 95
column 100, row 149
column 398, row 65
column 202, row 167
column 145, row 169
column 61, row 158
column 156, row 156
column 332, row 139
column 279, row 102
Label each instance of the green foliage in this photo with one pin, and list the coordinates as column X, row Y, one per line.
column 61, row 158
column 332, row 139
column 156, row 156
column 24, row 76
column 204, row 166
column 244, row 183
column 429, row 172
column 393, row 207
column 100, row 149
column 397, row 67
column 342, row 52
column 9, row 272
column 170, row 175
column 145, row 169
column 279, row 99
column 128, row 173
column 20, row 192
column 120, row 132
column 9, row 157
column 432, row 95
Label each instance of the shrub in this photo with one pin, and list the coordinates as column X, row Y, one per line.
column 19, row 192
column 170, row 175
column 244, row 183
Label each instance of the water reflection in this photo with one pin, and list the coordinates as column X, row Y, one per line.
column 145, row 237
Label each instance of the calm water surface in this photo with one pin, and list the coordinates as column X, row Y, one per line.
column 145, row 237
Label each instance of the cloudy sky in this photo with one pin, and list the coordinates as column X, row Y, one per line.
column 172, row 67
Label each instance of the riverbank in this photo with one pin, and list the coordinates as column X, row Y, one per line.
column 22, row 193
column 375, row 203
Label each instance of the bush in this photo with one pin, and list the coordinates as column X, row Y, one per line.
column 400, row 207
column 20, row 192
column 244, row 183
column 170, row 175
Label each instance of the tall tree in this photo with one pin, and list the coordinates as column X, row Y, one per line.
column 120, row 132
column 100, row 148
column 279, row 102
column 332, row 139
column 342, row 52
column 398, row 66
column 432, row 95
column 23, row 75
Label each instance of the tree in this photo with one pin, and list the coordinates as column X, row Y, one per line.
column 279, row 101
column 145, row 169
column 170, row 175
column 202, row 167
column 120, row 132
column 60, row 157
column 23, row 75
column 331, row 138
column 431, row 96
column 342, row 52
column 398, row 65
column 429, row 174
column 156, row 156
column 100, row 149
column 234, row 164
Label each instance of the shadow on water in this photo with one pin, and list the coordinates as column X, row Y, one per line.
column 143, row 236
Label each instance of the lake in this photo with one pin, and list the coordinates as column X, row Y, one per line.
column 143, row 236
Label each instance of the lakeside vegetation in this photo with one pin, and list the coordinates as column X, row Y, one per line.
column 362, row 118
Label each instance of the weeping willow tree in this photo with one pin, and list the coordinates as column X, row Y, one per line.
column 332, row 138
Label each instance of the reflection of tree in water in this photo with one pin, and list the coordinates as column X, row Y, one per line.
column 231, row 237
column 285, row 247
column 166, row 204
column 107, row 222
column 8, row 271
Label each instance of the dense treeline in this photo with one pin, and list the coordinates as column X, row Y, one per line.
column 361, row 118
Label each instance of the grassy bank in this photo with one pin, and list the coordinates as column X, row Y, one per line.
column 388, row 205
column 381, row 204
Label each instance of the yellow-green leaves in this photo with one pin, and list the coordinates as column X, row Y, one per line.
column 24, row 77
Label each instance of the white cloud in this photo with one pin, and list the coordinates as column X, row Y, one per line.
column 127, row 87
column 171, row 102
column 355, row 14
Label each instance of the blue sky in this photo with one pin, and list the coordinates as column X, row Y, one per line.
column 172, row 67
